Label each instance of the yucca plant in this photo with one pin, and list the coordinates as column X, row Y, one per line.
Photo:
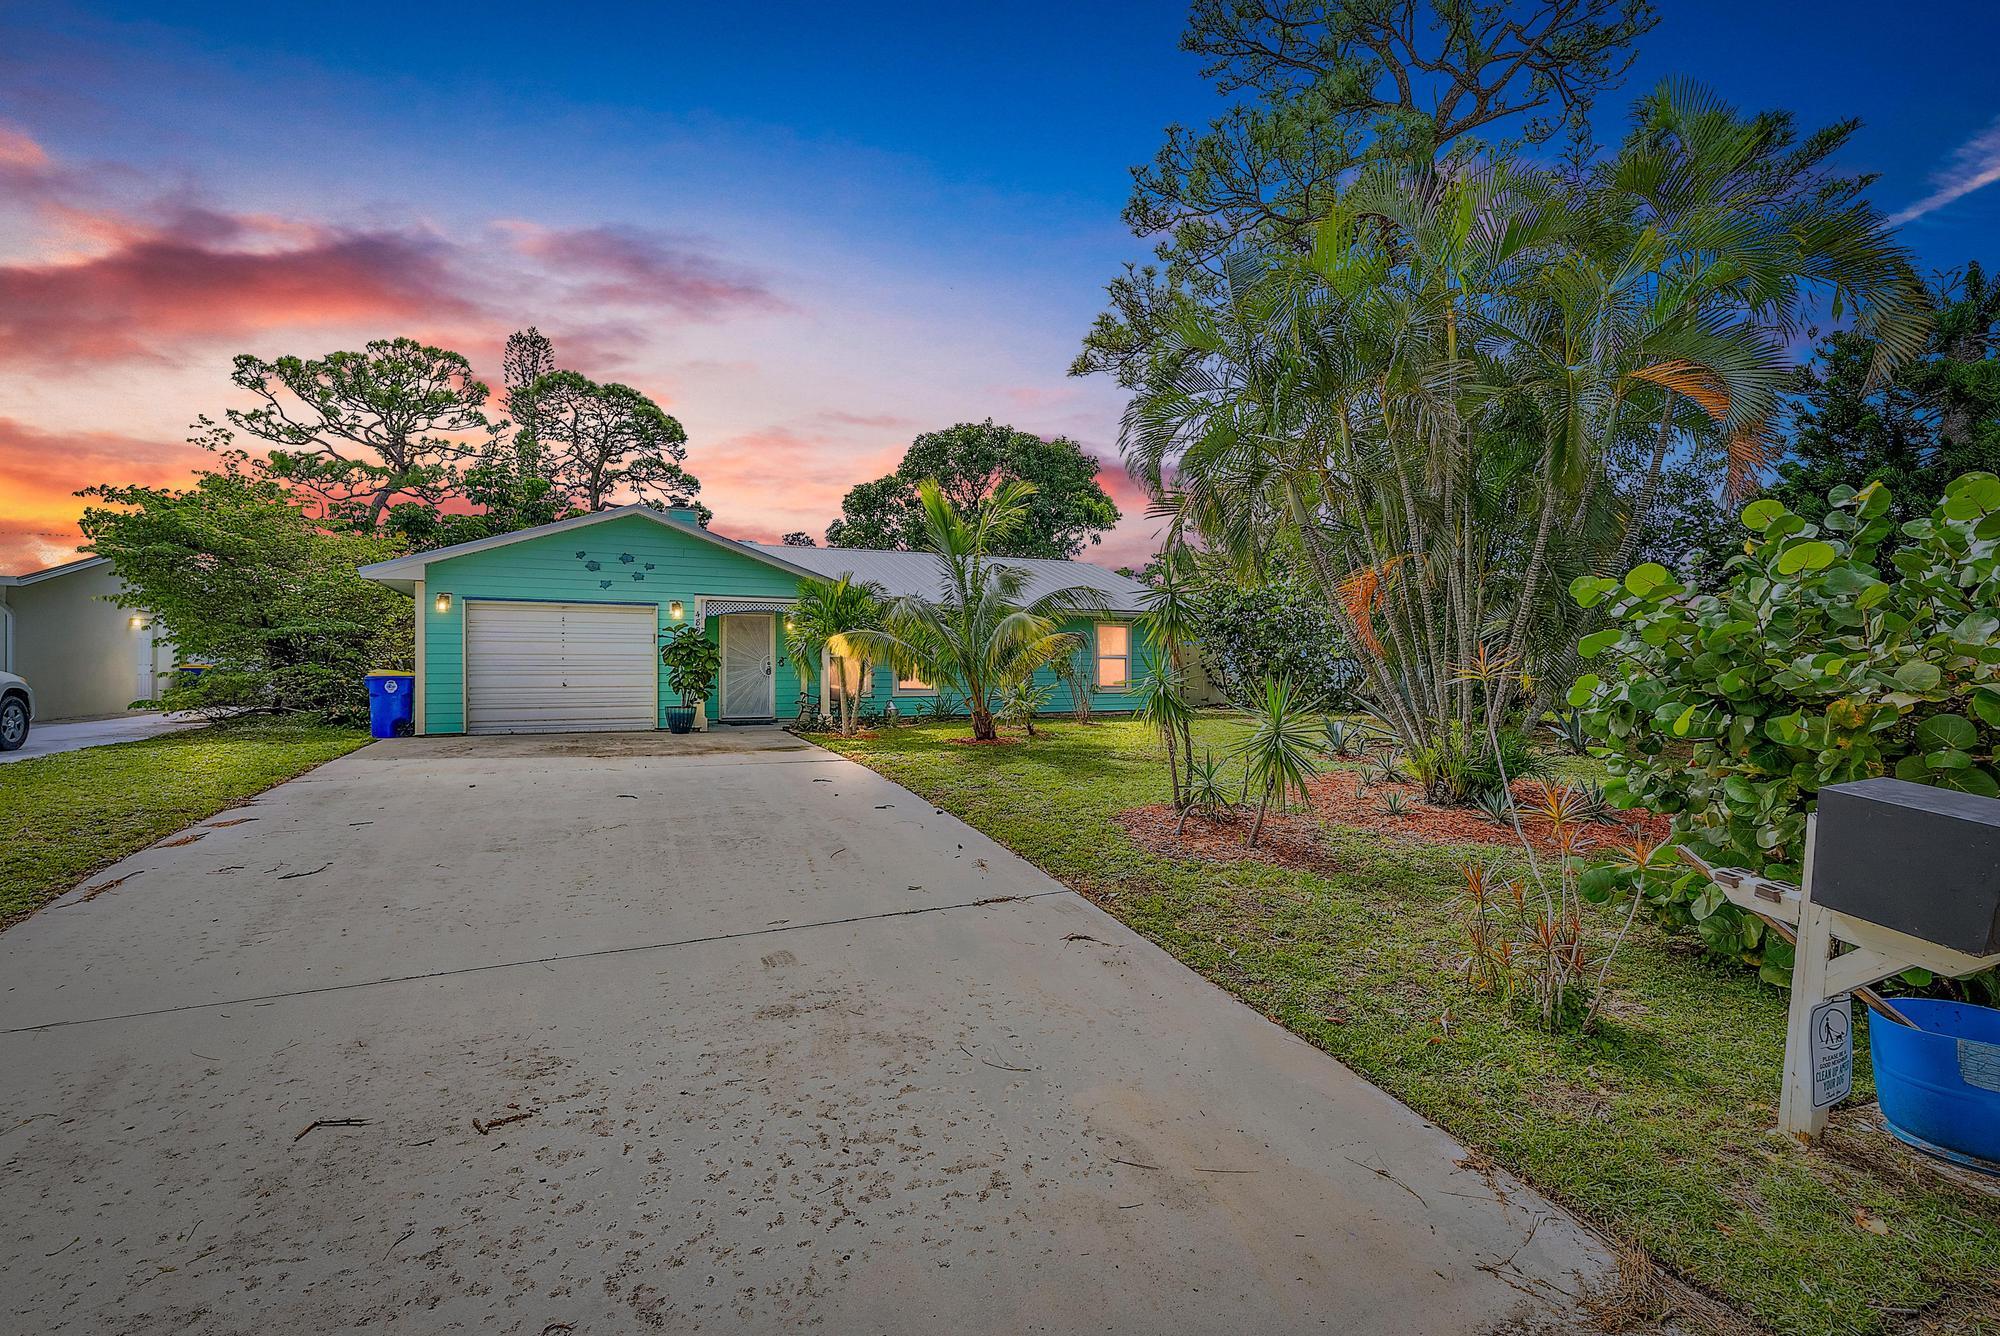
column 1282, row 751
column 1164, row 704
column 1395, row 804
column 1206, row 792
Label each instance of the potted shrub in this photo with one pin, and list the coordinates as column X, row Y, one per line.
column 692, row 662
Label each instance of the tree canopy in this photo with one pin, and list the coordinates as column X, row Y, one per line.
column 359, row 431
column 1465, row 393
column 252, row 584
column 1936, row 418
column 1066, row 509
column 1326, row 85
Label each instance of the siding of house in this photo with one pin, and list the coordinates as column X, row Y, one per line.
column 664, row 566
column 80, row 651
column 882, row 685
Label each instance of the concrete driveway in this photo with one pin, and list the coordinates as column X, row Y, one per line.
column 48, row 739
column 595, row 1035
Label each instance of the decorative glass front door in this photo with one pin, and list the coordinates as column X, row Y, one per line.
column 749, row 658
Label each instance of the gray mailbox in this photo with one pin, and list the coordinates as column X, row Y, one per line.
column 1907, row 876
column 1914, row 859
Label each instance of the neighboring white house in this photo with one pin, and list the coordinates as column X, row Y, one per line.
column 85, row 656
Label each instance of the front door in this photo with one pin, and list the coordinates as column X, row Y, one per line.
column 749, row 656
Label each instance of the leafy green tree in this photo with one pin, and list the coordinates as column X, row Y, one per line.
column 1326, row 85
column 799, row 538
column 1268, row 625
column 509, row 488
column 360, row 431
column 247, row 581
column 980, row 635
column 1937, row 418
column 1066, row 508
column 1819, row 661
column 605, row 440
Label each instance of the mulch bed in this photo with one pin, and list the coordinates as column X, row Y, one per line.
column 1296, row 839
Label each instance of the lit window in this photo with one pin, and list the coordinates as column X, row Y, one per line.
column 912, row 683
column 846, row 672
column 1114, row 656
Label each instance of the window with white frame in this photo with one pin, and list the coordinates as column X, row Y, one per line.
column 1114, row 656
column 910, row 682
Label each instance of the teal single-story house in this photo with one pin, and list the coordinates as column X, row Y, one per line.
column 558, row 628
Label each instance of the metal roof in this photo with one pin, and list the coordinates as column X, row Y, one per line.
column 906, row 573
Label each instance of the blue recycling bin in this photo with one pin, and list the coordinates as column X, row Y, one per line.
column 1939, row 1083
column 391, row 704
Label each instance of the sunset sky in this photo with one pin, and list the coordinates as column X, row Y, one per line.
column 810, row 231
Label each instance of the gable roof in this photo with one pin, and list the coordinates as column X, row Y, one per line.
column 54, row 572
column 403, row 572
column 903, row 574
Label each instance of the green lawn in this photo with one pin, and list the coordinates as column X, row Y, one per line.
column 64, row 817
column 1657, row 1128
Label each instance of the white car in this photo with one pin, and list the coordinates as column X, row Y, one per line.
column 17, row 711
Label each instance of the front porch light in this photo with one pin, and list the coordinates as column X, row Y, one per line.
column 443, row 603
column 675, row 610
column 138, row 622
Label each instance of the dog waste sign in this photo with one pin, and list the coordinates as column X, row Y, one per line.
column 1832, row 1051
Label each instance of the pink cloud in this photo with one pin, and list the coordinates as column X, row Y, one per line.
column 154, row 292
column 628, row 266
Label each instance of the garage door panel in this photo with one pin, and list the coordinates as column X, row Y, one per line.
column 559, row 667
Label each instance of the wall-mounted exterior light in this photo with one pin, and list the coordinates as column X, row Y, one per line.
column 137, row 621
column 442, row 603
column 675, row 610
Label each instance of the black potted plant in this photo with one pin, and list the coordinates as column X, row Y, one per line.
column 692, row 662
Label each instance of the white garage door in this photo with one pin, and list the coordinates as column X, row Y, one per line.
column 559, row 668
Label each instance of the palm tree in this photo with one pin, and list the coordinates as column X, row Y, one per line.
column 980, row 635
column 1464, row 394
column 825, row 617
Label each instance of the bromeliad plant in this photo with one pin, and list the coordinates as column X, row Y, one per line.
column 1817, row 663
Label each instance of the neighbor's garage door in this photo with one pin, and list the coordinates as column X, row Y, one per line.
column 559, row 668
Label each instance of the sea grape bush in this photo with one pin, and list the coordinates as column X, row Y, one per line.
column 1816, row 663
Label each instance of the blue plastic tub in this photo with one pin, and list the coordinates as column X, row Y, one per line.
column 391, row 705
column 1939, row 1084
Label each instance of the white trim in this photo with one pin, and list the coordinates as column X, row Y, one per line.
column 1097, row 657
column 54, row 572
column 896, row 688
column 412, row 567
column 417, row 705
column 775, row 604
column 7, row 650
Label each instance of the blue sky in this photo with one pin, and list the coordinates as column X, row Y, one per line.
column 810, row 230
